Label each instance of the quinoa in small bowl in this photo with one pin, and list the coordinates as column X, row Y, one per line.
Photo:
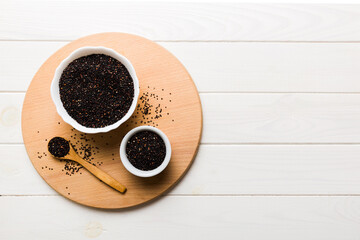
column 145, row 151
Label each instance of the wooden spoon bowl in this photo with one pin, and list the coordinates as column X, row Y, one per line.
column 106, row 178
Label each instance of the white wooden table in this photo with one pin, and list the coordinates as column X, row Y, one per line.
column 280, row 152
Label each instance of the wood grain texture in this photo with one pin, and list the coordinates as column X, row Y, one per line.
column 17, row 172
column 281, row 118
column 159, row 72
column 10, row 117
column 179, row 21
column 228, row 170
column 223, row 67
column 312, row 218
column 263, row 118
column 248, row 61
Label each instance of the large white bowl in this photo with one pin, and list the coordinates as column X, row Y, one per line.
column 81, row 52
column 134, row 170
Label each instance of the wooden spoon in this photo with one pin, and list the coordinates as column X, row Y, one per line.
column 106, row 178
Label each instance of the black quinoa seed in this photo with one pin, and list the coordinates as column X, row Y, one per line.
column 96, row 90
column 58, row 147
column 146, row 150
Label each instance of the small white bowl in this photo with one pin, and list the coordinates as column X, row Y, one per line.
column 134, row 170
column 81, row 52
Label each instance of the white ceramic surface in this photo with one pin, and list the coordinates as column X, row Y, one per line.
column 84, row 51
column 130, row 167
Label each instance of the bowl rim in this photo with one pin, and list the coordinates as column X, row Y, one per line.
column 137, row 172
column 85, row 51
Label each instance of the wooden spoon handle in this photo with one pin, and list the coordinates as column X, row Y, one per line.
column 106, row 178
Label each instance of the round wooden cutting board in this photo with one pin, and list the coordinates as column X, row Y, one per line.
column 168, row 100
